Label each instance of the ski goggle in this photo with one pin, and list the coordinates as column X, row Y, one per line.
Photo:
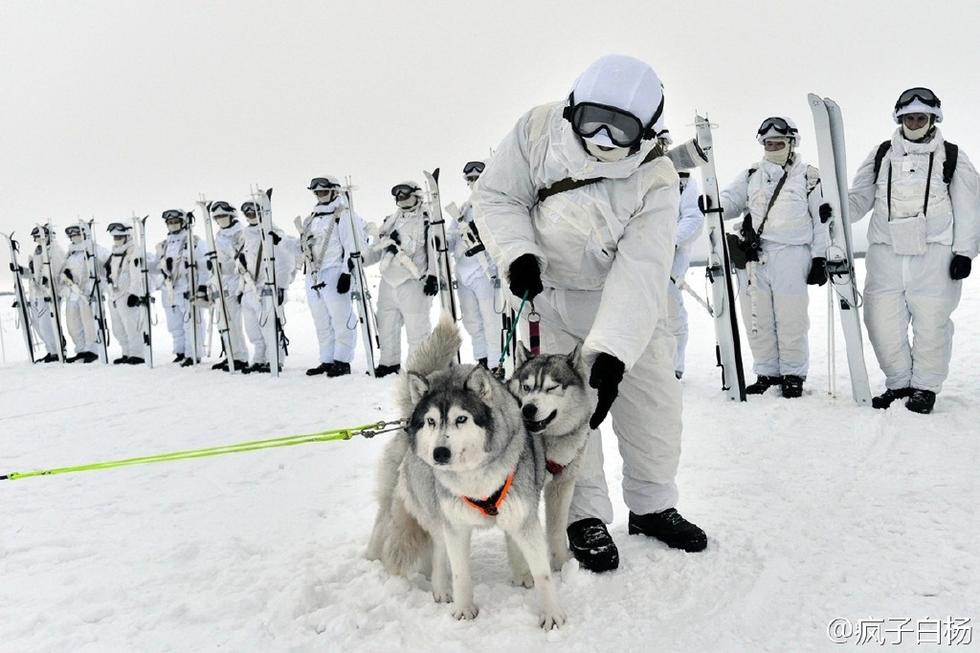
column 474, row 167
column 924, row 95
column 623, row 128
column 777, row 124
column 173, row 215
column 322, row 183
column 118, row 227
column 403, row 191
column 250, row 208
column 222, row 208
column 73, row 231
column 36, row 232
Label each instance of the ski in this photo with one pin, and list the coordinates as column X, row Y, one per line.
column 360, row 292
column 193, row 309
column 139, row 228
column 829, row 127
column 53, row 308
column 92, row 262
column 214, row 264
column 728, row 348
column 23, row 310
column 446, row 295
column 272, row 316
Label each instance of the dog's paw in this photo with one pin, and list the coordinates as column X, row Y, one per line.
column 442, row 596
column 559, row 558
column 466, row 612
column 552, row 619
column 523, row 579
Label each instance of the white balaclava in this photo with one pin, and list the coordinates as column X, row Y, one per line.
column 779, row 157
column 119, row 243
column 623, row 82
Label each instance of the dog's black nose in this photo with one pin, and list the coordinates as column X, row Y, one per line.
column 441, row 455
column 529, row 411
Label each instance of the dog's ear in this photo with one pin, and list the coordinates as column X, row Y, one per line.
column 480, row 383
column 521, row 355
column 575, row 357
column 418, row 385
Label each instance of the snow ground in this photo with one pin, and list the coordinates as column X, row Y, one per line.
column 815, row 509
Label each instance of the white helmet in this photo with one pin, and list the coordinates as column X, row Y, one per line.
column 918, row 100
column 776, row 127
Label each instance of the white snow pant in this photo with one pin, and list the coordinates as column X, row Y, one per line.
column 677, row 322
column 900, row 290
column 256, row 326
column 127, row 327
column 480, row 319
column 397, row 305
column 177, row 309
column 81, row 324
column 236, row 333
column 44, row 324
column 646, row 416
column 333, row 316
column 774, row 304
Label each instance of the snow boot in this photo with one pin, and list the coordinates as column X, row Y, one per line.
column 260, row 368
column 88, row 357
column 220, row 365
column 178, row 358
column 592, row 545
column 762, row 383
column 885, row 399
column 339, row 368
column 322, row 368
column 792, row 386
column 670, row 528
column 187, row 362
column 385, row 370
column 122, row 360
column 921, row 401
column 135, row 360
column 72, row 359
column 50, row 358
column 241, row 366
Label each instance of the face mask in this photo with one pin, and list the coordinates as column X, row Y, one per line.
column 174, row 227
column 223, row 221
column 253, row 220
column 407, row 203
column 607, row 155
column 779, row 157
column 76, row 240
column 915, row 134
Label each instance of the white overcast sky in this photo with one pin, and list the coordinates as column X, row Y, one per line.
column 110, row 107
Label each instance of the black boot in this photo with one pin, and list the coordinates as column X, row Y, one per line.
column 483, row 361
column 89, row 357
column 123, row 360
column 762, row 383
column 670, row 528
column 792, row 386
column 339, row 368
column 322, row 368
column 260, row 368
column 187, row 362
column 50, row 358
column 178, row 358
column 221, row 365
column 885, row 399
column 592, row 545
column 921, row 401
column 72, row 359
column 385, row 370
column 241, row 366
column 135, row 360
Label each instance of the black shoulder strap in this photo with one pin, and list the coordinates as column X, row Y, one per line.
column 750, row 173
column 568, row 183
column 880, row 156
column 949, row 165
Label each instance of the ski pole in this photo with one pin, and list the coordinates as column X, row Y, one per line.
column 366, row 430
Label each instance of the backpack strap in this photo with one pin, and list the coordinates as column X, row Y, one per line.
column 949, row 165
column 569, row 183
column 880, row 156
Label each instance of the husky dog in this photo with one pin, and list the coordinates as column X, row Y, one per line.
column 467, row 462
column 556, row 405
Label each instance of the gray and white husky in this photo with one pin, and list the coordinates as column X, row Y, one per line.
column 556, row 405
column 465, row 461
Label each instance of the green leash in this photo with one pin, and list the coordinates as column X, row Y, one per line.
column 367, row 431
column 510, row 332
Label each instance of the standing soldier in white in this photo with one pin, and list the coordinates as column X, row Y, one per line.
column 229, row 241
column 690, row 222
column 177, row 295
column 579, row 205
column 79, row 295
column 924, row 195
column 408, row 276
column 252, row 270
column 326, row 242
column 40, row 291
column 476, row 277
column 785, row 236
column 125, row 296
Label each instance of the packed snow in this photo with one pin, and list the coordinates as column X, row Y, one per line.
column 815, row 509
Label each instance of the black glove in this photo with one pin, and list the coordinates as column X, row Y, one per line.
column 395, row 237
column 525, row 276
column 16, row 269
column 607, row 373
column 959, row 267
column 431, row 288
column 68, row 275
column 343, row 283
column 280, row 296
column 133, row 301
column 276, row 238
column 169, row 263
column 826, row 212
column 704, row 203
column 238, row 298
column 818, row 272
column 392, row 248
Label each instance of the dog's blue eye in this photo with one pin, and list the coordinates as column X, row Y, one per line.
column 431, row 422
column 461, row 420
column 526, row 387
